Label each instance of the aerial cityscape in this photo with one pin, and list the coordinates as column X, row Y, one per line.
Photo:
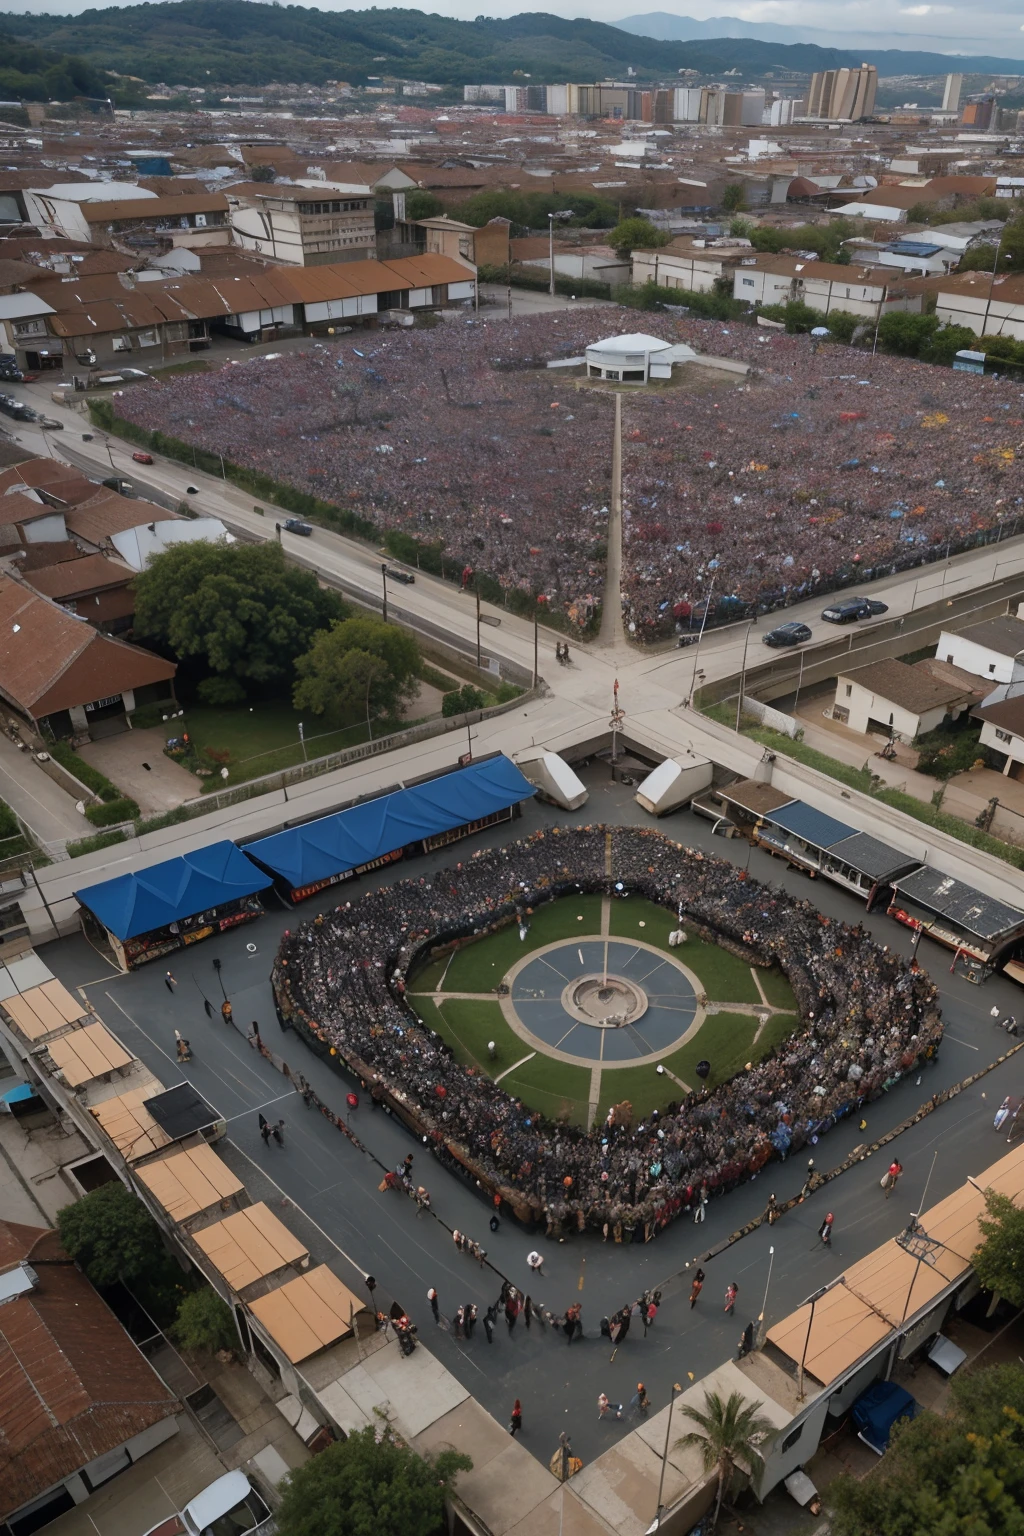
column 511, row 772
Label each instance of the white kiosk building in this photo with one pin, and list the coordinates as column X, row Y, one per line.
column 635, row 359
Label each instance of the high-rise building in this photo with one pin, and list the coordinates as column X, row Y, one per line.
column 979, row 114
column 951, row 93
column 843, row 95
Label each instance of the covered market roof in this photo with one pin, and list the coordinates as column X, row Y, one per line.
column 165, row 893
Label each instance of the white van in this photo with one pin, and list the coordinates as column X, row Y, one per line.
column 228, row 1507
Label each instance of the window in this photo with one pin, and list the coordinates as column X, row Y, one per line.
column 748, row 282
column 148, row 339
column 792, row 1437
column 849, row 689
column 950, row 656
column 121, row 343
column 29, row 328
column 991, row 666
column 1003, row 736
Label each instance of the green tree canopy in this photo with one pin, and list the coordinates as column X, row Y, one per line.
column 961, row 1475
column 1009, row 248
column 631, row 234
column 734, row 197
column 367, row 1486
column 355, row 663
column 237, row 608
column 420, row 204
column 529, row 210
column 110, row 1234
column 204, row 1322
column 999, row 1262
column 906, row 334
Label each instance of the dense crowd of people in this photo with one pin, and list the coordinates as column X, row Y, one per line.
column 867, row 1018
column 822, row 466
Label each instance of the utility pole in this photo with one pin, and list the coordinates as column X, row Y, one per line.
column 384, row 579
column 536, row 643
column 743, row 676
column 478, row 628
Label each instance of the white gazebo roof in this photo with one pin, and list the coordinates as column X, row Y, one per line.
column 637, row 342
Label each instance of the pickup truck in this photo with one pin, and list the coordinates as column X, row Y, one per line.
column 228, row 1507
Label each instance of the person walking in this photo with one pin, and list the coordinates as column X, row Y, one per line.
column 527, row 1310
column 696, row 1288
column 490, row 1318
column 771, row 1211
column 511, row 1313
column 731, row 1292
column 825, row 1230
column 277, row 1131
column 226, row 1012
column 746, row 1342
column 700, row 1214
column 265, row 1131
column 460, row 1315
column 604, row 1407
column 809, row 1181
column 640, row 1402
column 516, row 1421
column 170, row 982
column 435, row 1305
column 536, row 1262
column 469, row 1318
column 891, row 1175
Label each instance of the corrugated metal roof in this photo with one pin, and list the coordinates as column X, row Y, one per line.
column 967, row 908
column 872, row 858
column 813, row 826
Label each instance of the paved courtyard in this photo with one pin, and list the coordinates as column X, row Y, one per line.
column 136, row 763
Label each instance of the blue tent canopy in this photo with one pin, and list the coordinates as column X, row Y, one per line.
column 19, row 1095
column 335, row 844
column 166, row 893
column 813, row 826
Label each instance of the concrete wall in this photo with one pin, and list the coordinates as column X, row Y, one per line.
column 979, row 659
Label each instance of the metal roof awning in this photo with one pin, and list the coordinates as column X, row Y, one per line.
column 817, row 829
column 972, row 910
column 876, row 860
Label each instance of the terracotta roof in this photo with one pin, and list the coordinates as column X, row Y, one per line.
column 104, row 513
column 50, row 660
column 73, row 1386
column 154, row 208
column 79, row 578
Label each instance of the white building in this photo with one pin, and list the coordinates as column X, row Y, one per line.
column 894, row 699
column 824, row 285
column 988, row 308
column 693, row 265
column 635, row 359
column 988, row 649
column 314, row 225
column 59, row 209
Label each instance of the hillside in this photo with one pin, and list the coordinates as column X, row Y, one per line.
column 239, row 42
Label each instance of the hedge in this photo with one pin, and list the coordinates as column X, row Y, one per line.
column 94, row 844
column 540, row 282
column 111, row 812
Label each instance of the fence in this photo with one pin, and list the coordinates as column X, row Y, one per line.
column 773, row 718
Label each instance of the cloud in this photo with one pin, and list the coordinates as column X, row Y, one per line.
column 929, row 10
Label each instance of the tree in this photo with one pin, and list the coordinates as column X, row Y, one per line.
column 946, row 342
column 204, row 1322
column 357, row 666
column 422, row 205
column 110, row 1234
column 960, row 1475
column 842, row 325
column 734, row 197
column 367, row 1486
column 629, row 234
column 461, row 700
column 236, row 608
column 999, row 1262
column 263, row 173
column 726, row 1437
column 906, row 334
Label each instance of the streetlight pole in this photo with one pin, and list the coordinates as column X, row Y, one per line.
column 664, row 1462
column 700, row 637
column 764, row 1305
column 536, row 643
column 384, row 579
column 743, row 683
column 478, row 628
column 551, row 254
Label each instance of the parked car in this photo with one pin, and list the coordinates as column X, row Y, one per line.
column 230, row 1506
column 49, row 424
column 405, row 577
column 142, row 458
column 849, row 609
column 793, row 633
column 296, row 525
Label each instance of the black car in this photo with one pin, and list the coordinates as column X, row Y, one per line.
column 296, row 525
column 849, row 609
column 793, row 633
column 405, row 577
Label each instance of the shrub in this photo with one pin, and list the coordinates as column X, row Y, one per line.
column 94, row 844
column 84, row 772
column 461, row 700
column 111, row 812
column 204, row 1322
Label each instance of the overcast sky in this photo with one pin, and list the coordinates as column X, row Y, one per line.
column 988, row 26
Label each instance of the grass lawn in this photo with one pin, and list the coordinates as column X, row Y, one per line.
column 261, row 738
column 480, row 966
column 777, row 989
column 543, row 1084
column 724, row 978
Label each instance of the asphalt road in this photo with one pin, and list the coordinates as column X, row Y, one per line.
column 336, row 1186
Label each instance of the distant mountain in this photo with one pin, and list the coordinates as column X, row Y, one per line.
column 667, row 27
column 216, row 43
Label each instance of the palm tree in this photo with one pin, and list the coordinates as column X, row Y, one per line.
column 726, row 1436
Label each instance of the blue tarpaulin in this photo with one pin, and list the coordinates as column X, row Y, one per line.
column 19, row 1095
column 876, row 1411
column 166, row 893
column 335, row 844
